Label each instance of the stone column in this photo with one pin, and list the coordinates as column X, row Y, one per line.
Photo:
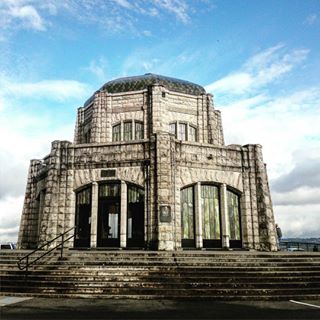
column 198, row 215
column 123, row 215
column 224, row 217
column 94, row 215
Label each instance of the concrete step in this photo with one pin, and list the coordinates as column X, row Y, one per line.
column 165, row 292
column 153, row 274
column 229, row 297
column 148, row 284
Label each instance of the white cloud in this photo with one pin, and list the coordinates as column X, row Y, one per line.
column 10, row 213
column 311, row 19
column 300, row 196
column 98, row 68
column 286, row 125
column 177, row 7
column 299, row 220
column 119, row 16
column 29, row 16
column 59, row 90
column 20, row 14
column 260, row 70
column 29, row 138
column 124, row 3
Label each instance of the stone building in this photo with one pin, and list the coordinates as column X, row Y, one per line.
column 148, row 168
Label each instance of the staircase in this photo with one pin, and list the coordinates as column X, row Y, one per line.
column 173, row 275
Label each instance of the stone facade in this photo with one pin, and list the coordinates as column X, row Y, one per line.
column 162, row 139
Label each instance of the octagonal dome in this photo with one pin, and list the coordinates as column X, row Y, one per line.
column 142, row 82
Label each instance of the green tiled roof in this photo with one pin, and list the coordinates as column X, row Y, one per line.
column 142, row 82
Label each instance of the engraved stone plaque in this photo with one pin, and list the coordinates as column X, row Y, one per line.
column 108, row 173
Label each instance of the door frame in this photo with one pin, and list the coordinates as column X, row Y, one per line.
column 105, row 201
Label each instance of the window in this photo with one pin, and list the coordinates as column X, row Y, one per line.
column 192, row 134
column 138, row 130
column 127, row 131
column 130, row 132
column 173, row 129
column 234, row 215
column 116, row 132
column 87, row 136
column 182, row 131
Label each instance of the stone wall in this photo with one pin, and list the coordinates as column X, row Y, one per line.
column 159, row 163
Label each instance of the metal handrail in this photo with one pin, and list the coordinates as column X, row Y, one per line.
column 28, row 263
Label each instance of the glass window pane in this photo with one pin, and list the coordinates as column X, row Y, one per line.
column 127, row 131
column 234, row 215
column 109, row 190
column 210, row 212
column 139, row 130
column 116, row 132
column 187, row 213
column 192, row 134
column 173, row 129
column 182, row 131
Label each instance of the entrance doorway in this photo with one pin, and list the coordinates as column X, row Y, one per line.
column 109, row 215
column 135, row 217
column 83, row 218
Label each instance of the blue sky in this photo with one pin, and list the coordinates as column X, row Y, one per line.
column 260, row 59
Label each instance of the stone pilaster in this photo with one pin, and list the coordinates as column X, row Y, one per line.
column 267, row 232
column 94, row 214
column 224, row 217
column 29, row 224
column 164, row 197
column 198, row 215
column 123, row 215
column 96, row 119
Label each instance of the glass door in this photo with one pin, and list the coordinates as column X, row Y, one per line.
column 187, row 218
column 135, row 217
column 109, row 216
column 210, row 209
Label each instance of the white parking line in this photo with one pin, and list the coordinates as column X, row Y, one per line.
column 5, row 300
column 305, row 304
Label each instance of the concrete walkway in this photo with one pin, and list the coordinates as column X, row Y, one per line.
column 44, row 308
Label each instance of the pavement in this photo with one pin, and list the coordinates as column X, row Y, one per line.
column 52, row 308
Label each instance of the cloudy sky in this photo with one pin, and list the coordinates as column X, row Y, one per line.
column 260, row 59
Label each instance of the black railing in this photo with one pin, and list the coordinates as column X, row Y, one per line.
column 24, row 263
column 299, row 246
